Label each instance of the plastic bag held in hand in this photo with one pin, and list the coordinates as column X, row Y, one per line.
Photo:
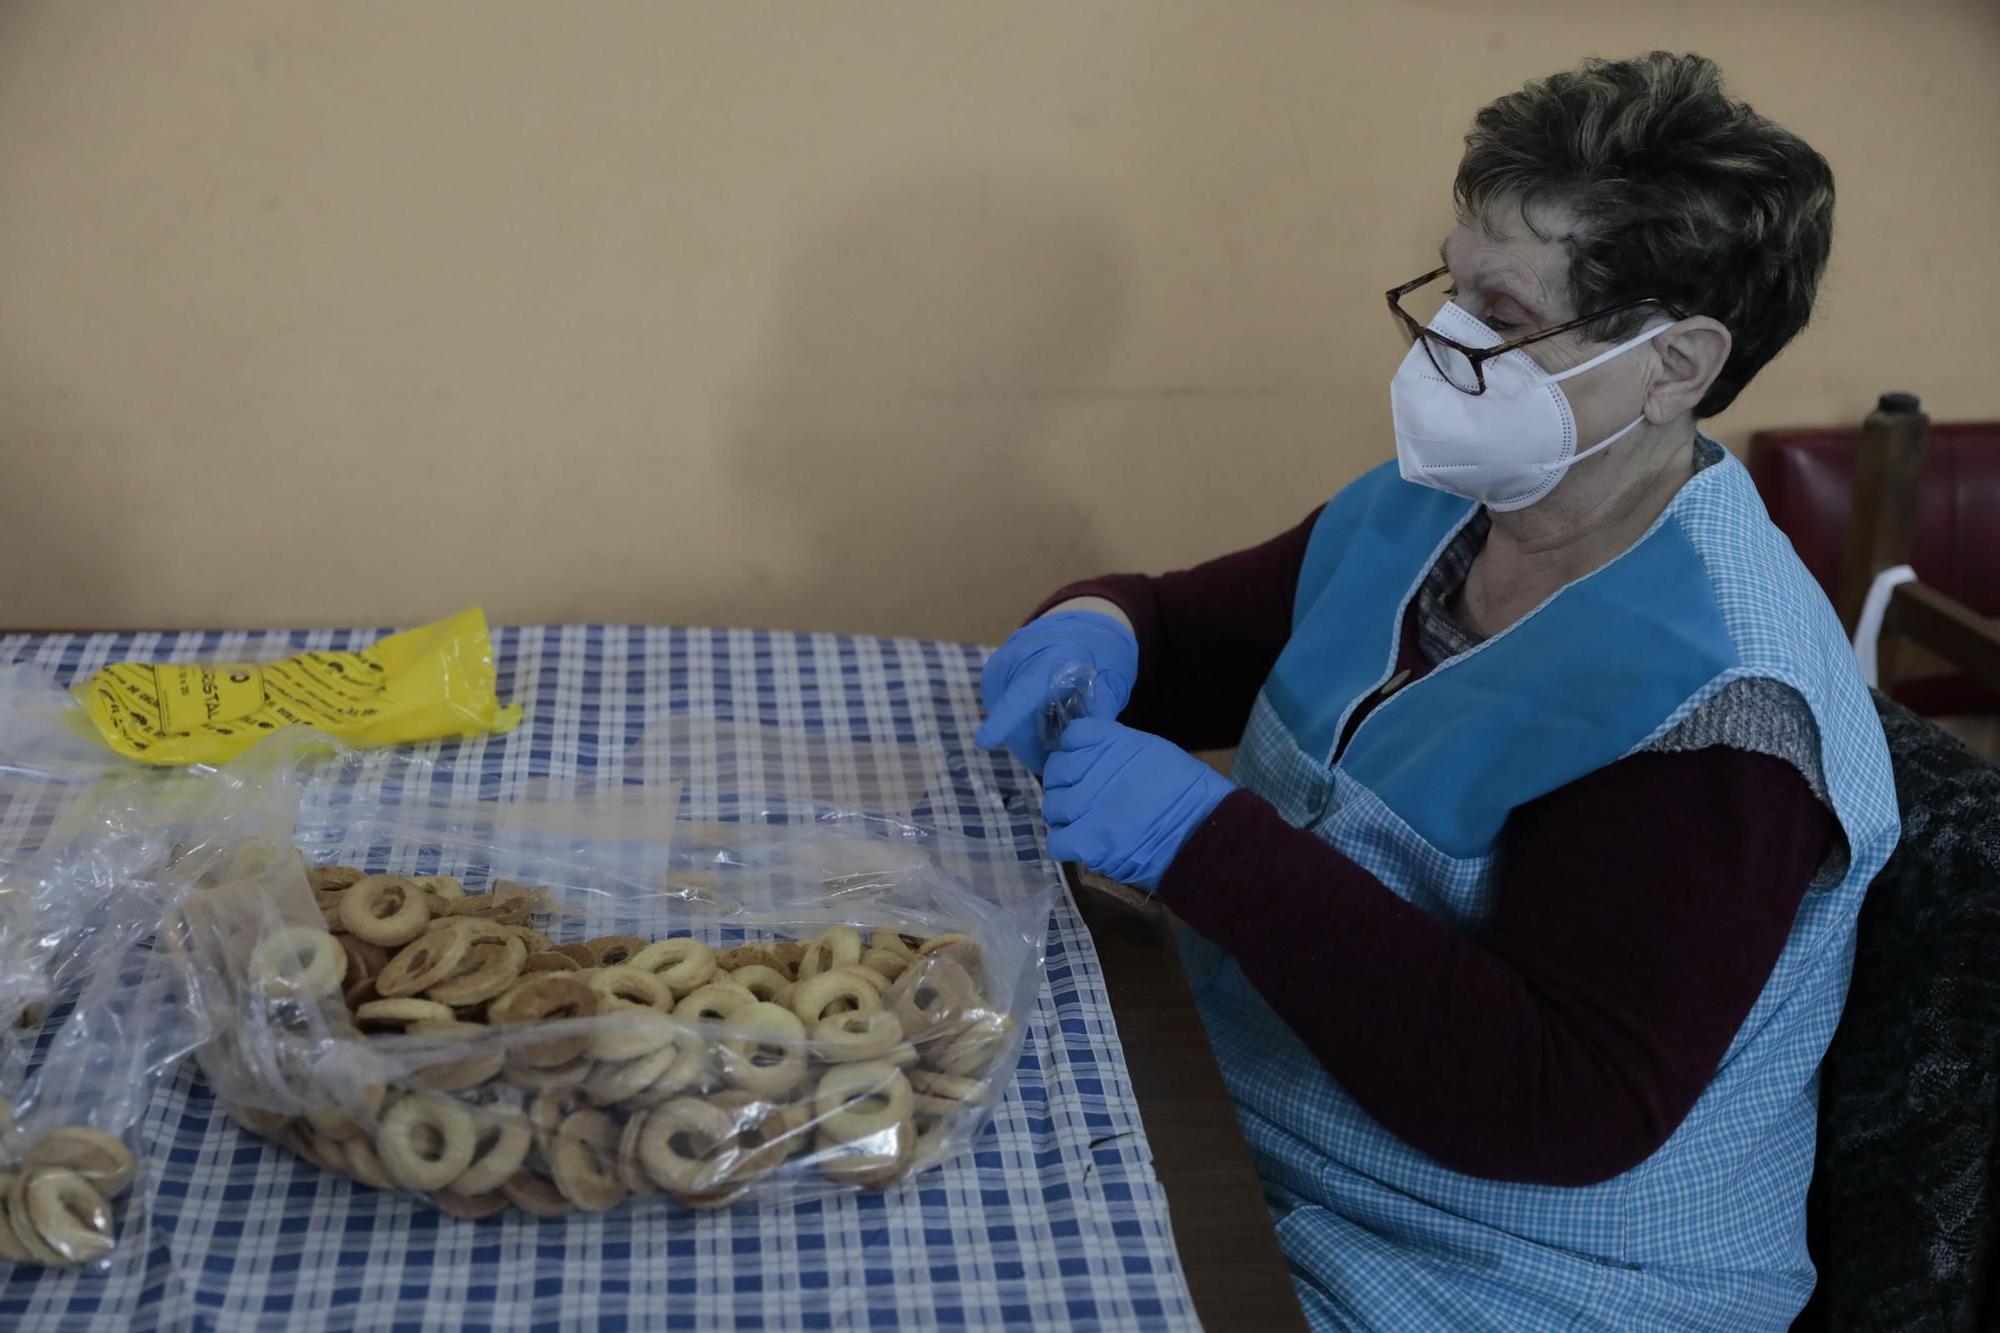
column 1122, row 802
column 1039, row 663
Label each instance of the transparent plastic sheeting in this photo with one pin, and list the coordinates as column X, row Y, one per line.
column 147, row 914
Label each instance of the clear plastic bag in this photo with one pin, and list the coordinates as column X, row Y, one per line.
column 1071, row 690
column 920, row 948
column 92, row 1017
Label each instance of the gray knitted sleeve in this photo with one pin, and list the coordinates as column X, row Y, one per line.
column 1766, row 717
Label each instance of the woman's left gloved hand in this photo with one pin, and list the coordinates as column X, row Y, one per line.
column 1123, row 801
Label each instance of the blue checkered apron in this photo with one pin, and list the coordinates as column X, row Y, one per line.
column 1053, row 1219
column 1709, row 1231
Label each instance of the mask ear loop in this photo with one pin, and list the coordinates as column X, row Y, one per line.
column 1599, row 447
column 1642, row 337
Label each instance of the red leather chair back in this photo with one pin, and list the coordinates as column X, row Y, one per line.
column 1806, row 478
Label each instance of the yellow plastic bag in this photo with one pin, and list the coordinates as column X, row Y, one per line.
column 433, row 681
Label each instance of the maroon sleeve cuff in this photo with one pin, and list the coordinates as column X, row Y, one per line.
column 1130, row 593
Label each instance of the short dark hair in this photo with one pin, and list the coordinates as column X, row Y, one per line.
column 1680, row 193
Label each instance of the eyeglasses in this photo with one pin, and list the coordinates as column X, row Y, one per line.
column 1464, row 368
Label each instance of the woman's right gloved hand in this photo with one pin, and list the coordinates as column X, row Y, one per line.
column 1015, row 684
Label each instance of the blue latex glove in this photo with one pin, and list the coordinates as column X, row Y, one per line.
column 1123, row 801
column 1015, row 684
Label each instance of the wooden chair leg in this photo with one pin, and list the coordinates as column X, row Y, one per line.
column 1887, row 470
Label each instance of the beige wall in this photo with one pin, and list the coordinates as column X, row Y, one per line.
column 881, row 316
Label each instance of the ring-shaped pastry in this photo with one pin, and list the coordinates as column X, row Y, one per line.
column 299, row 960
column 259, row 1121
column 534, row 939
column 765, row 1134
column 425, row 1140
column 961, row 949
column 469, row 1207
column 943, row 1094
column 333, row 877
column 547, row 960
column 385, row 909
column 546, row 997
column 100, row 1158
column 466, row 1072
column 857, row 1101
column 969, row 1052
column 878, row 982
column 631, row 1172
column 488, row 968
column 423, row 962
column 890, row 941
column 873, row 1163
column 329, row 1153
column 832, row 993
column 475, row 929
column 887, row 963
column 500, row 1145
column 584, row 1161
column 768, row 1054
column 649, row 1078
column 450, row 888
column 681, row 1145
column 789, row 954
column 858, row 1034
column 15, row 1203
column 719, row 1198
column 629, row 1031
column 396, row 1015
column 365, row 1165
column 832, row 947
column 684, row 963
column 718, row 999
column 13, row 1249
column 538, row 1195
column 747, row 955
column 624, row 986
column 506, row 908
column 364, row 960
column 615, row 950
column 932, row 992
column 349, row 1119
column 766, row 983
column 569, row 1074
column 68, row 1215
column 299, row 1140
column 546, row 1111
column 933, row 1137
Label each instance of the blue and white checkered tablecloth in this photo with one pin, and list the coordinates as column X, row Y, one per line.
column 1053, row 1220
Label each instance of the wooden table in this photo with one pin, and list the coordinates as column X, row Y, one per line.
column 1236, row 1273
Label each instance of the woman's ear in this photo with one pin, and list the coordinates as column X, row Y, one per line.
column 1691, row 355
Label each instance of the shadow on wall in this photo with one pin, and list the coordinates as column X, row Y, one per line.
column 898, row 438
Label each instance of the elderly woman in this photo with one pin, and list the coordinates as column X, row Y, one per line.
column 1528, row 913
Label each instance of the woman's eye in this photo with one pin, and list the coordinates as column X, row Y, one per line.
column 1500, row 326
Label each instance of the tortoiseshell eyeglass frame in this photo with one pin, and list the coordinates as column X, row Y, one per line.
column 1477, row 357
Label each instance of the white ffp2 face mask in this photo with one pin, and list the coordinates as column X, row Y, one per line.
column 1507, row 447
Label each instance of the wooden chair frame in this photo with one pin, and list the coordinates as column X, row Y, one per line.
column 1887, row 471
